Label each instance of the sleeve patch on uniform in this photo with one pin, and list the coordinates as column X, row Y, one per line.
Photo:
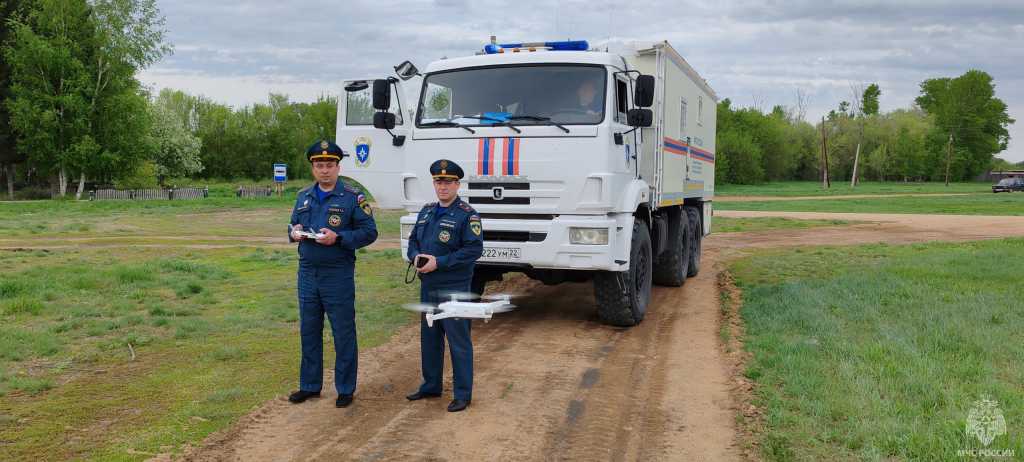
column 364, row 204
column 474, row 225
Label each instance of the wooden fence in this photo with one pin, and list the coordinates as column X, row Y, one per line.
column 149, row 194
column 254, row 191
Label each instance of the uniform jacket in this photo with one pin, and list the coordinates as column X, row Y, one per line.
column 455, row 237
column 344, row 211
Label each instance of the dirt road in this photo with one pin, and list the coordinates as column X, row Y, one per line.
column 552, row 383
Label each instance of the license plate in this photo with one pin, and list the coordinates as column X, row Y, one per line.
column 502, row 253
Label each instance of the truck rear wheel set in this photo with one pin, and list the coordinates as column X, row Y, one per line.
column 622, row 297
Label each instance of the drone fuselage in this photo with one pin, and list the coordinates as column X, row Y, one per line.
column 461, row 309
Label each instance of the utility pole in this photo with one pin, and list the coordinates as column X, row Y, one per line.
column 949, row 156
column 824, row 156
column 856, row 159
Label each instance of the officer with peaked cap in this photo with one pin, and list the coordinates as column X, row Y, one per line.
column 448, row 236
column 342, row 219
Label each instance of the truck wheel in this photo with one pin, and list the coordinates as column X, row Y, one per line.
column 673, row 266
column 696, row 237
column 622, row 296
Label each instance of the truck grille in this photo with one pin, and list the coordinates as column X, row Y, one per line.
column 506, row 201
column 513, row 236
column 490, row 185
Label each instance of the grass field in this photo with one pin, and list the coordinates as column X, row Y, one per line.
column 879, row 352
column 740, row 225
column 974, row 204
column 212, row 328
column 813, row 188
column 214, row 218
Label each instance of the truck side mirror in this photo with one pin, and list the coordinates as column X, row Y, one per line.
column 381, row 94
column 640, row 117
column 644, row 95
column 406, row 70
column 385, row 120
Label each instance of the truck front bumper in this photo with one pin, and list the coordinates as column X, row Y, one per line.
column 545, row 244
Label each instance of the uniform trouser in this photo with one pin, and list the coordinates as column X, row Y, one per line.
column 331, row 291
column 460, row 345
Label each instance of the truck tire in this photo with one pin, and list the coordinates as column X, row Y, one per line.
column 622, row 296
column 696, row 238
column 673, row 266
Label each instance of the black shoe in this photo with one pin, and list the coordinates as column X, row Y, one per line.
column 457, row 405
column 302, row 395
column 420, row 395
column 343, row 401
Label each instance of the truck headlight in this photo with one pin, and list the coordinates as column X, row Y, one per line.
column 588, row 236
column 406, row 230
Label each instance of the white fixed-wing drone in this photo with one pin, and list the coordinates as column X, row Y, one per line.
column 458, row 307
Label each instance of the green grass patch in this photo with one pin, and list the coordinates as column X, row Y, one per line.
column 975, row 204
column 879, row 352
column 22, row 305
column 19, row 343
column 742, row 225
column 814, row 188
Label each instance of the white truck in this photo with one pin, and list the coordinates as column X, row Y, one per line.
column 585, row 163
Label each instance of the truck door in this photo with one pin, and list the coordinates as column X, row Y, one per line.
column 374, row 161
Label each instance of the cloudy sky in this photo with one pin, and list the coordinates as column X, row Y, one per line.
column 753, row 52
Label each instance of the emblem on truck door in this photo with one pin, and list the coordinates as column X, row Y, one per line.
column 498, row 193
column 362, row 145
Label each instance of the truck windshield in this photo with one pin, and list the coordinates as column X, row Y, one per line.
column 528, row 95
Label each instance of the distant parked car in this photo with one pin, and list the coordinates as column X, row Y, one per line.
column 1009, row 185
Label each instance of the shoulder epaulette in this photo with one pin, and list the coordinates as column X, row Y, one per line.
column 466, row 208
column 306, row 189
column 352, row 190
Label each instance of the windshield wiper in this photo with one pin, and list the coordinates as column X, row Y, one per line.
column 446, row 123
column 539, row 119
column 497, row 122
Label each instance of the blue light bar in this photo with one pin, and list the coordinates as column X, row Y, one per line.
column 566, row 45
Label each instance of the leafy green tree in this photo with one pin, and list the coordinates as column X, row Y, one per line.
column 49, row 80
column 743, row 155
column 969, row 121
column 869, row 103
column 175, row 150
column 9, row 156
column 76, row 104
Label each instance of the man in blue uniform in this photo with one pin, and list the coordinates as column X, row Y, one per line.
column 341, row 220
column 444, row 246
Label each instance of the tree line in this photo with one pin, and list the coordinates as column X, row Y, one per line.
column 954, row 129
column 72, row 111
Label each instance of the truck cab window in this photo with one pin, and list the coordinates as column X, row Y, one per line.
column 359, row 107
column 527, row 94
column 621, row 100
